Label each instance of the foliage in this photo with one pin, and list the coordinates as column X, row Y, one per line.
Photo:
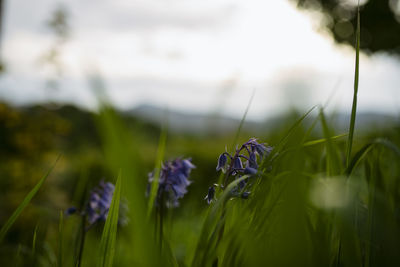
column 315, row 200
column 380, row 25
column 305, row 206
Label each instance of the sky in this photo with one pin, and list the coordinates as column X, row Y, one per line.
column 191, row 56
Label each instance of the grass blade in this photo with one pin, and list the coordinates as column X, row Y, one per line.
column 237, row 134
column 60, row 239
column 211, row 225
column 33, row 252
column 366, row 148
column 322, row 140
column 356, row 76
column 285, row 138
column 235, row 140
column 24, row 203
column 159, row 160
column 333, row 163
column 109, row 236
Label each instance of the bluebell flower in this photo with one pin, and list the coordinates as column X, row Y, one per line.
column 250, row 171
column 99, row 202
column 222, row 162
column 173, row 181
column 237, row 164
column 245, row 161
column 253, row 160
column 245, row 195
column 70, row 211
column 249, row 152
column 96, row 209
column 210, row 195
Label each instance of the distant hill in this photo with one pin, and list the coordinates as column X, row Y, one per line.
column 191, row 123
column 196, row 123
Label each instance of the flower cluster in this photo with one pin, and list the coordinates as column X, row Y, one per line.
column 98, row 205
column 244, row 161
column 99, row 202
column 173, row 181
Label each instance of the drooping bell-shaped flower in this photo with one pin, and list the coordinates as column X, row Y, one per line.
column 221, row 161
column 99, row 202
column 173, row 181
column 96, row 208
column 210, row 195
column 245, row 161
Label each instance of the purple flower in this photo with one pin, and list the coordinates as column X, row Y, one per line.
column 99, row 202
column 250, row 171
column 173, row 181
column 245, row 195
column 70, row 211
column 222, row 162
column 97, row 207
column 210, row 195
column 242, row 162
column 249, row 152
column 237, row 164
column 253, row 160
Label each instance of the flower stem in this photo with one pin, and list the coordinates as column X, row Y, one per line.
column 82, row 242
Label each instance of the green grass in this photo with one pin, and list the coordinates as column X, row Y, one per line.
column 109, row 236
column 317, row 200
column 4, row 229
column 356, row 77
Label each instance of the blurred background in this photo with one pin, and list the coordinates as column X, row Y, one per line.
column 194, row 64
column 201, row 57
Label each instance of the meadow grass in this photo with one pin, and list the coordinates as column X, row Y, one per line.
column 312, row 202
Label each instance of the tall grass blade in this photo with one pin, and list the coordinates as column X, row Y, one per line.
column 18, row 257
column 238, row 131
column 213, row 222
column 291, row 130
column 120, row 151
column 356, row 76
column 333, row 164
column 109, row 236
column 322, row 140
column 367, row 148
column 235, row 140
column 159, row 160
column 33, row 252
column 60, row 239
column 24, row 203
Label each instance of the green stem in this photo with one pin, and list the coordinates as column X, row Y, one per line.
column 356, row 76
column 82, row 242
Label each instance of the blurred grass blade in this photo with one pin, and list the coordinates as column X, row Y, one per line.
column 211, row 225
column 159, row 160
column 237, row 134
column 34, row 242
column 356, row 76
column 18, row 256
column 366, row 148
column 235, row 140
column 312, row 143
column 283, row 141
column 120, row 147
column 60, row 239
column 389, row 145
column 323, row 140
column 24, row 203
column 80, row 188
column 310, row 129
column 333, row 163
column 109, row 236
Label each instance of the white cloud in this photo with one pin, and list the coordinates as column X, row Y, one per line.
column 179, row 53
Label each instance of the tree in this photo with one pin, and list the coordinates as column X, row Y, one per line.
column 380, row 22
